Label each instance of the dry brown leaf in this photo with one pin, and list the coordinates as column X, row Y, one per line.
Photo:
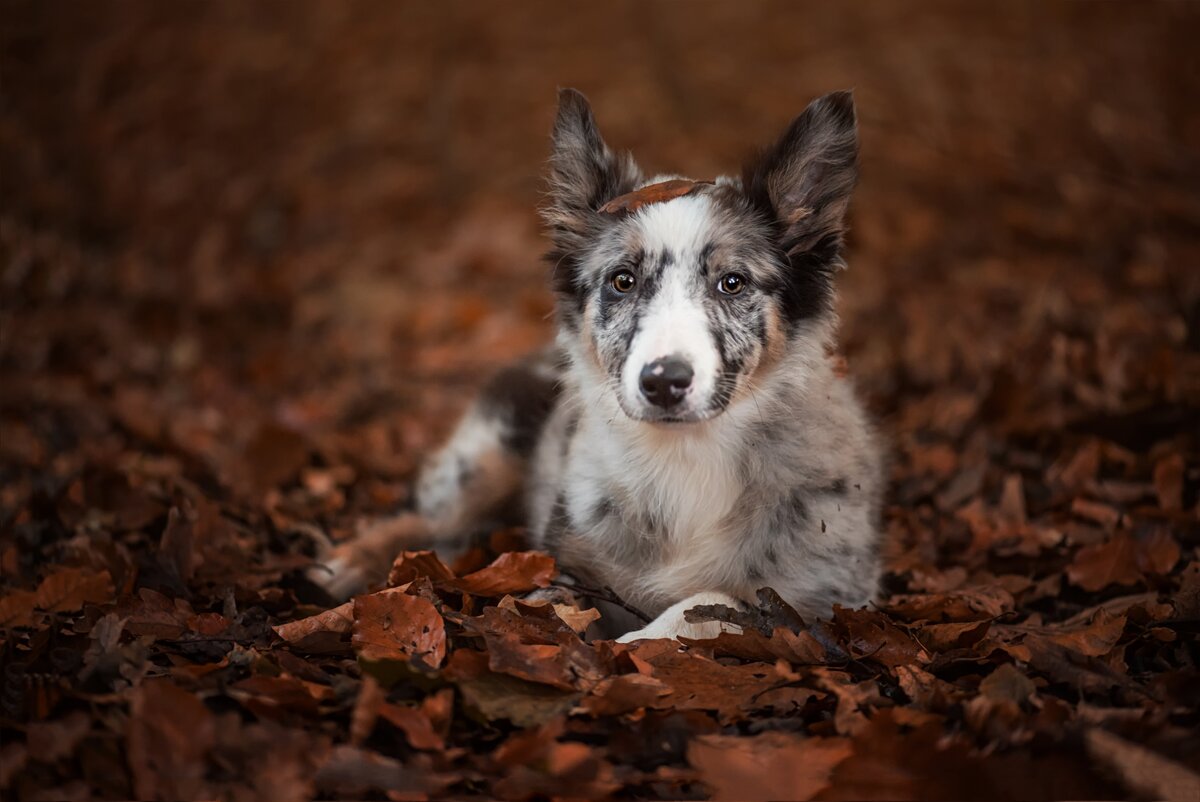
column 169, row 733
column 396, row 626
column 774, row 765
column 946, row 637
column 327, row 631
column 16, row 609
column 974, row 603
column 1105, row 515
column 623, row 693
column 371, row 698
column 69, row 589
column 511, row 572
column 1123, row 560
column 1144, row 772
column 654, row 193
column 414, row 723
column 412, row 564
column 1168, row 482
column 795, row 647
column 577, row 619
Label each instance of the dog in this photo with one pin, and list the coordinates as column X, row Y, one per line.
column 687, row 440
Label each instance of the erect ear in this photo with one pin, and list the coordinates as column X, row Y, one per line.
column 584, row 173
column 804, row 180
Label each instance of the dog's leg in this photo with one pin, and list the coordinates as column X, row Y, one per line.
column 472, row 482
column 671, row 622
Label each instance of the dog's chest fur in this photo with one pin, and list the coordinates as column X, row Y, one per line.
column 654, row 510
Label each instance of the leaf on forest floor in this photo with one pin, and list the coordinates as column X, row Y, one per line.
column 69, row 589
column 1123, row 560
column 774, row 765
column 397, row 626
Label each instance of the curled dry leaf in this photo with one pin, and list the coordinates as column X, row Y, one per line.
column 784, row 644
column 577, row 619
column 396, row 626
column 966, row 604
column 537, row 646
column 324, row 632
column 412, row 564
column 511, row 572
column 654, row 193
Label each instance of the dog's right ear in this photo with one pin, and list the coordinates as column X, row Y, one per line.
column 584, row 173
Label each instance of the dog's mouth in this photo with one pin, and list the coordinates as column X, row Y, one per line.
column 668, row 419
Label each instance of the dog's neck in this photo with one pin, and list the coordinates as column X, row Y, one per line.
column 689, row 477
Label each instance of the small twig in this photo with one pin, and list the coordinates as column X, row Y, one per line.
column 605, row 594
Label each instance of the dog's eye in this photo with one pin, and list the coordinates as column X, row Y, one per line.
column 623, row 282
column 731, row 284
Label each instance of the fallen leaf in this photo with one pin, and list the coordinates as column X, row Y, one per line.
column 412, row 564
column 577, row 619
column 491, row 696
column 16, row 609
column 1123, row 560
column 511, row 572
column 1145, row 773
column 396, row 626
column 974, row 603
column 624, row 693
column 414, row 723
column 536, row 646
column 1168, row 482
column 654, row 193
column 1110, row 563
column 327, row 631
column 170, row 732
column 69, row 589
column 1007, row 684
column 774, row 765
column 871, row 635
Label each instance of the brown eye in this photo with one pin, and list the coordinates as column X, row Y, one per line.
column 623, row 282
column 731, row 284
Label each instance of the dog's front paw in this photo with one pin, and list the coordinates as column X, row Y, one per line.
column 673, row 623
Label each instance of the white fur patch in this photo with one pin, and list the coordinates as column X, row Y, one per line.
column 682, row 225
column 672, row 623
column 675, row 323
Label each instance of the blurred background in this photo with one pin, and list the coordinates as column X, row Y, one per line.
column 227, row 228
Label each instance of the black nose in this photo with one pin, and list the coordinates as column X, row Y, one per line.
column 665, row 381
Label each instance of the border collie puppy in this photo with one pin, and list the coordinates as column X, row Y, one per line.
column 687, row 440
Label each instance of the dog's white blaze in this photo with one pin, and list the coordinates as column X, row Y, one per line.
column 675, row 324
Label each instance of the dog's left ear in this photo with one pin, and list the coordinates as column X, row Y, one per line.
column 584, row 173
column 805, row 179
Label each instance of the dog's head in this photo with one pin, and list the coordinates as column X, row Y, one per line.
column 681, row 296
